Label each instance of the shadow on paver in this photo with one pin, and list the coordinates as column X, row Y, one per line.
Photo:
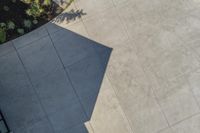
column 52, row 84
column 71, row 15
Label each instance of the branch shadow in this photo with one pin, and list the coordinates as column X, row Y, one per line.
column 69, row 16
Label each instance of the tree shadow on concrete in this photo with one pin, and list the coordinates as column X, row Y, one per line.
column 69, row 16
column 52, row 84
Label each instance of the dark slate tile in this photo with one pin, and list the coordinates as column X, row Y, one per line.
column 13, row 77
column 77, row 129
column 104, row 53
column 71, row 47
column 40, row 58
column 17, row 97
column 22, row 112
column 3, row 128
column 6, row 48
column 20, row 130
column 54, row 84
column 30, row 37
column 55, row 91
column 86, row 77
column 11, row 94
column 68, row 116
column 14, row 81
column 42, row 126
column 51, row 27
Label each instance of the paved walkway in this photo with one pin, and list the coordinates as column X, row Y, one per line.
column 53, row 80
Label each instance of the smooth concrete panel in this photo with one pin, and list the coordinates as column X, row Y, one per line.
column 30, row 37
column 52, row 84
column 190, row 125
column 6, row 48
column 18, row 100
column 71, row 47
column 40, row 58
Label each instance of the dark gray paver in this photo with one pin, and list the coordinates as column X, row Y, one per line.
column 30, row 37
column 42, row 126
column 77, row 129
column 13, row 78
column 177, row 22
column 21, row 130
column 40, row 58
column 86, row 77
column 6, row 48
column 60, row 101
column 51, row 27
column 104, row 54
column 17, row 98
column 67, row 117
column 55, row 83
column 52, row 84
column 71, row 47
column 84, row 66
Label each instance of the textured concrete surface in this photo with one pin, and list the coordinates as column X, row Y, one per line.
column 51, row 82
column 56, row 79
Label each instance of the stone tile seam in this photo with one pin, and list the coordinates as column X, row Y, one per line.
column 183, row 120
column 195, row 97
column 193, row 94
column 126, row 118
column 121, row 109
column 161, row 131
column 125, row 28
column 155, row 97
column 167, row 84
column 192, row 71
column 68, row 25
column 81, row 21
column 161, row 109
column 169, row 125
column 27, row 44
column 184, row 73
column 34, row 89
column 190, row 89
column 94, row 14
column 68, row 77
column 123, row 113
column 6, row 54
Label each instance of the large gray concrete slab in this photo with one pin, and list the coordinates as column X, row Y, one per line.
column 151, row 82
column 86, row 76
column 51, row 84
column 30, row 37
column 17, row 95
column 75, row 49
column 154, row 67
column 40, row 58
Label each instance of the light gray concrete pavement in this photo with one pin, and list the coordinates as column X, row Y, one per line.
column 57, row 78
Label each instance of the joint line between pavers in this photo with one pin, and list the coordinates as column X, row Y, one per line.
column 32, row 86
column 129, row 39
column 27, row 44
column 68, row 77
column 123, row 113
